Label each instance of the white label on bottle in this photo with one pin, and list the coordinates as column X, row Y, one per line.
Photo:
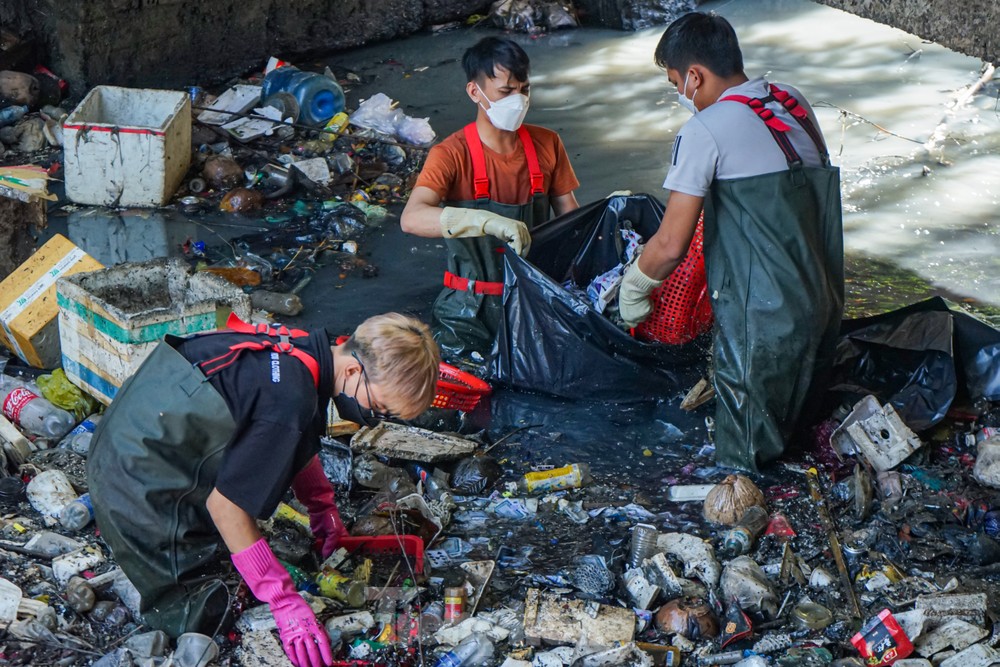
column 15, row 402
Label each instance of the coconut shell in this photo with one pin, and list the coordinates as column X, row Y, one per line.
column 690, row 618
column 730, row 498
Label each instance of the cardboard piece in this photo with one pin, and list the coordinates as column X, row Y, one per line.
column 28, row 308
column 551, row 619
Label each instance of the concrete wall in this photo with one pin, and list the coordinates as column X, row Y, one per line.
column 173, row 43
column 971, row 27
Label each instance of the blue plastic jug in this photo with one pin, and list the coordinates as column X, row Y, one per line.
column 319, row 97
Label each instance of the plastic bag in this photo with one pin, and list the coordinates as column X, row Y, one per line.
column 474, row 475
column 582, row 354
column 64, row 394
column 642, row 14
column 916, row 358
column 376, row 113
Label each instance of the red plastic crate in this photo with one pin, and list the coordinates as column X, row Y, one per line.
column 682, row 310
column 409, row 546
column 458, row 390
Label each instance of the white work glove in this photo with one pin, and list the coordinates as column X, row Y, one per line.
column 620, row 193
column 457, row 223
column 633, row 295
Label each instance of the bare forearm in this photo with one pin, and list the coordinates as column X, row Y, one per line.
column 421, row 220
column 238, row 529
column 659, row 258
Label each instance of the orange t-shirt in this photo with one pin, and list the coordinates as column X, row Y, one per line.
column 448, row 169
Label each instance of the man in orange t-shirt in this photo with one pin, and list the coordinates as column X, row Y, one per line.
column 483, row 187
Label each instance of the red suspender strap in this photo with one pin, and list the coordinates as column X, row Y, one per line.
column 757, row 106
column 802, row 116
column 774, row 124
column 480, row 181
column 534, row 171
column 282, row 345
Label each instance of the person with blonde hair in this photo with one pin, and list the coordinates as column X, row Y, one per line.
column 208, row 436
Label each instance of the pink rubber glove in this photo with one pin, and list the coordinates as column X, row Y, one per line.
column 314, row 490
column 305, row 641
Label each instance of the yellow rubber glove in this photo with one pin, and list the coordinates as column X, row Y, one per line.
column 457, row 223
column 633, row 295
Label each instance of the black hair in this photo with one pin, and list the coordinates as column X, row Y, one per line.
column 700, row 39
column 482, row 59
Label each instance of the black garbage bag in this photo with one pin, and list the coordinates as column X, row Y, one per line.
column 554, row 341
column 917, row 358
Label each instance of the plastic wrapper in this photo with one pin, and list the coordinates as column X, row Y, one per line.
column 475, row 474
column 582, row 354
column 64, row 394
column 377, row 113
column 533, row 16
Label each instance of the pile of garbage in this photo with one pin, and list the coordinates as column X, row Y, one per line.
column 280, row 149
column 870, row 546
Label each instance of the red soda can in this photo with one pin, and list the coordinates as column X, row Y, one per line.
column 881, row 641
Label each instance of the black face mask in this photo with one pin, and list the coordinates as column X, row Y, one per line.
column 348, row 408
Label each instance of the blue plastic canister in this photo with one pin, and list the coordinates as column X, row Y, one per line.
column 319, row 97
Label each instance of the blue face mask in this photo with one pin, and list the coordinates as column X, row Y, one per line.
column 684, row 100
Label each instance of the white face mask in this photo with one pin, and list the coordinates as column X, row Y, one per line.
column 507, row 113
column 684, row 100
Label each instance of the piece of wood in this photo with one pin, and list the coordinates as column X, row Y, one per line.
column 413, row 444
column 700, row 394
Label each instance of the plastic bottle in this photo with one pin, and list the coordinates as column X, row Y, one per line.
column 23, row 405
column 77, row 514
column 472, row 651
column 570, row 476
column 276, row 302
column 739, row 539
column 50, row 491
column 319, row 97
column 643, row 543
column 80, row 595
column 79, row 438
column 373, row 474
column 11, row 115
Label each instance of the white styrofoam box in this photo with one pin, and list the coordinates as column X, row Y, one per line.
column 127, row 146
column 110, row 320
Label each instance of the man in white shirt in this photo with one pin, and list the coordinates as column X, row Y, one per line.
column 753, row 157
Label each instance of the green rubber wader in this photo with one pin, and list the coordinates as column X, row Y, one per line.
column 774, row 255
column 152, row 464
column 465, row 322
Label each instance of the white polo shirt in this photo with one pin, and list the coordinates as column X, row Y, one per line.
column 728, row 140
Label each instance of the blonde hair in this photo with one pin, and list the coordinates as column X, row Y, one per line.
column 400, row 355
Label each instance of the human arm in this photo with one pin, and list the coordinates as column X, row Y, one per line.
column 305, row 642
column 314, row 490
column 660, row 256
column 564, row 204
column 423, row 216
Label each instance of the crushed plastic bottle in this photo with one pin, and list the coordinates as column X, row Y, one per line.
column 49, row 492
column 570, row 476
column 474, row 650
column 77, row 514
column 23, row 404
column 78, row 440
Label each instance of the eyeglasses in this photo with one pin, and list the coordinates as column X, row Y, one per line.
column 370, row 412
